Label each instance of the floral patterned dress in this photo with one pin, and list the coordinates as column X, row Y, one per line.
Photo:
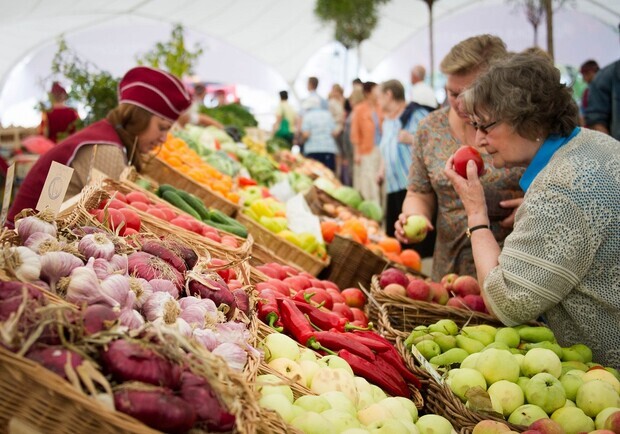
column 434, row 144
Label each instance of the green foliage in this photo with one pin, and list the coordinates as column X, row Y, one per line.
column 94, row 88
column 354, row 19
column 231, row 115
column 173, row 56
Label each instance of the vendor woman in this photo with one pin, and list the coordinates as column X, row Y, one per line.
column 150, row 101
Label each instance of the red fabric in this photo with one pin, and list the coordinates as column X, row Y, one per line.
column 61, row 121
column 3, row 166
column 101, row 132
column 58, row 90
column 154, row 90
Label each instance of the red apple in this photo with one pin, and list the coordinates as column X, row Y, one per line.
column 329, row 284
column 359, row 316
column 354, row 297
column 335, row 295
column 456, row 302
column 440, row 293
column 448, row 280
column 419, row 289
column 462, row 157
column 393, row 275
column 394, row 289
column 466, row 285
column 343, row 310
column 613, row 422
column 546, row 426
column 475, row 302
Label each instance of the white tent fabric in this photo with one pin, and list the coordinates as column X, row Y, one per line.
column 275, row 44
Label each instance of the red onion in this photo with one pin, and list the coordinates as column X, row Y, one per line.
column 159, row 409
column 200, row 395
column 99, row 317
column 128, row 361
column 157, row 249
column 55, row 359
column 185, row 252
column 242, row 301
column 147, row 266
column 212, row 286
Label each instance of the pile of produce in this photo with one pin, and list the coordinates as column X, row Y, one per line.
column 520, row 373
column 231, row 115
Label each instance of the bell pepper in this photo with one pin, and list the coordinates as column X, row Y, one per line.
column 294, row 321
column 245, row 182
column 371, row 372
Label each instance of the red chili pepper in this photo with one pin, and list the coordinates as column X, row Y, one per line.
column 393, row 358
column 284, row 168
column 295, row 321
column 244, row 182
column 336, row 341
column 268, row 311
column 374, row 374
column 321, row 319
column 373, row 344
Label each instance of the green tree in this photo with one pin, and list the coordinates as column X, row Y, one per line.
column 173, row 55
column 90, row 86
column 354, row 20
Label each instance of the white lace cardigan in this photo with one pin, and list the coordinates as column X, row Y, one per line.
column 563, row 257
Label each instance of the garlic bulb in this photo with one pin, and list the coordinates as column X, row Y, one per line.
column 30, row 225
column 199, row 312
column 179, row 325
column 55, row 265
column 206, row 337
column 163, row 285
column 23, row 263
column 161, row 305
column 142, row 289
column 116, row 287
column 40, row 242
column 131, row 318
column 96, row 246
column 235, row 356
column 82, row 286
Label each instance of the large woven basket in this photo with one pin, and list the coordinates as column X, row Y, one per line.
column 163, row 173
column 401, row 314
column 317, row 200
column 282, row 248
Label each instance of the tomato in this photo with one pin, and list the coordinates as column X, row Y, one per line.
column 132, row 219
column 137, row 196
column 212, row 236
column 229, row 241
column 119, row 196
column 463, row 155
column 180, row 222
column 170, row 214
column 343, row 310
column 130, row 231
column 156, row 212
column 112, row 203
column 141, row 206
column 113, row 219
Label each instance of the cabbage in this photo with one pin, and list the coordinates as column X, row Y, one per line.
column 348, row 195
column 325, row 184
column 371, row 210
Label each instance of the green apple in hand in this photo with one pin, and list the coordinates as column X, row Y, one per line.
column 415, row 228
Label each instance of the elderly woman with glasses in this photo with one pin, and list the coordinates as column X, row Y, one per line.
column 438, row 136
column 562, row 259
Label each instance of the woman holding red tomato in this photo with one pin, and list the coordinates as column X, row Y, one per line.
column 438, row 136
column 561, row 260
column 150, row 101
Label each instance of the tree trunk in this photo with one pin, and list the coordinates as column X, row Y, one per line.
column 549, row 15
column 535, row 35
column 431, row 41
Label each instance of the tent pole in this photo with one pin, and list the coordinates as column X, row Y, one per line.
column 431, row 42
column 549, row 15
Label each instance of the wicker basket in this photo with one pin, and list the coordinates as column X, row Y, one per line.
column 163, row 173
column 397, row 316
column 282, row 248
column 318, row 199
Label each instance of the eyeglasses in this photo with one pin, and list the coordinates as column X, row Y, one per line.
column 483, row 128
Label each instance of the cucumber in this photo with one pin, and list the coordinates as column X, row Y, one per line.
column 176, row 200
column 218, row 216
column 163, row 188
column 195, row 203
column 236, row 230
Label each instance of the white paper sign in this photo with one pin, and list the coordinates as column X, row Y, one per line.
column 8, row 189
column 55, row 187
column 300, row 218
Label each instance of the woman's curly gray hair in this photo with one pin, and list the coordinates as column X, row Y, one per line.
column 525, row 92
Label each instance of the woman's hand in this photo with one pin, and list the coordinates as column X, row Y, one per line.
column 470, row 191
column 405, row 136
column 399, row 232
column 509, row 221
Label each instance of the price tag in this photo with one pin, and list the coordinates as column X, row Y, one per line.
column 8, row 189
column 55, row 187
column 426, row 365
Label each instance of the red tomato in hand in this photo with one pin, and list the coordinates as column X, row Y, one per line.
column 463, row 155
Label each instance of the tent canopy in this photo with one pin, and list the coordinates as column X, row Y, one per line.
column 269, row 44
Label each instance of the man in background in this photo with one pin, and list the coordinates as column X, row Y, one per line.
column 421, row 92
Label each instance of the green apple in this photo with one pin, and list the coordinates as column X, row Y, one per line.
column 340, row 401
column 411, row 428
column 309, row 368
column 377, row 393
column 538, row 360
column 508, row 336
column 434, row 424
column 355, row 431
column 571, row 382
column 570, row 403
column 596, row 395
column 573, row 420
column 586, row 353
column 527, row 414
column 569, row 366
column 341, row 420
column 614, row 372
column 415, row 228
column 269, row 384
column 545, row 391
column 490, row 427
column 388, row 426
column 280, row 404
column 335, row 362
column 313, row 423
column 364, row 400
column 508, row 395
column 463, row 379
column 328, row 379
column 396, row 409
column 429, row 349
column 522, row 382
column 409, row 406
column 307, row 354
column 278, row 345
column 446, row 326
column 374, row 413
column 445, row 342
column 470, row 361
column 603, row 375
column 601, row 418
column 289, row 369
column 496, row 365
column 315, row 403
